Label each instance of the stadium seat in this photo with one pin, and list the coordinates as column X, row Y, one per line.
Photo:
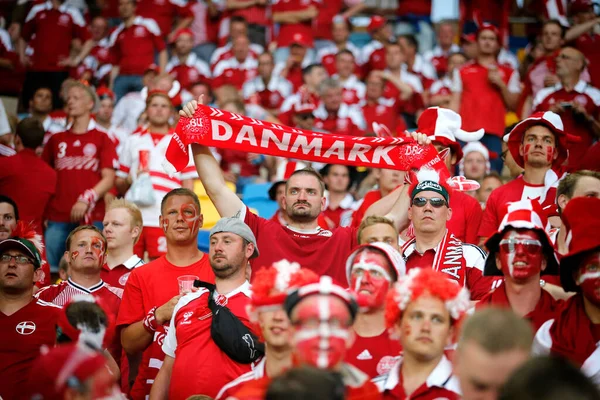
column 262, row 207
column 256, row 191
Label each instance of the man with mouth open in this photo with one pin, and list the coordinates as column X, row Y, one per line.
column 423, row 309
column 372, row 269
column 575, row 331
column 521, row 251
column 266, row 311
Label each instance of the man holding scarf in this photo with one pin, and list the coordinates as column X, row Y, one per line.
column 520, row 251
column 433, row 245
column 575, row 331
column 372, row 269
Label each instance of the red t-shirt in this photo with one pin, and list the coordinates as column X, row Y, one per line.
column 373, row 57
column 324, row 22
column 50, row 31
column 466, row 217
column 588, row 45
column 347, row 120
column 287, row 31
column 370, row 198
column 495, row 208
column 311, row 250
column 117, row 277
column 78, row 161
column 200, row 365
column 134, row 47
column 22, row 334
column 374, row 355
column 414, row 7
column 482, row 105
column 148, row 286
column 386, row 115
column 232, row 72
column 164, row 12
column 33, row 197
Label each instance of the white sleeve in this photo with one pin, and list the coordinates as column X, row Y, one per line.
column 170, row 344
column 125, row 159
column 474, row 256
column 248, row 90
column 357, row 118
column 542, row 342
column 456, row 82
column 514, row 83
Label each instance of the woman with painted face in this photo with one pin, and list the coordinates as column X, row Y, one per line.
column 521, row 251
column 575, row 331
column 423, row 310
column 321, row 315
column 372, row 269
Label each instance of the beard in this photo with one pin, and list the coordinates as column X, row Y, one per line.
column 307, row 214
column 225, row 268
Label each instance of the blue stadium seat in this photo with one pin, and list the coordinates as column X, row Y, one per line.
column 265, row 208
column 256, row 191
column 203, row 240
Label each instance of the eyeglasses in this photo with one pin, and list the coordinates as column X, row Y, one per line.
column 529, row 245
column 19, row 260
column 304, row 117
column 565, row 57
column 435, row 202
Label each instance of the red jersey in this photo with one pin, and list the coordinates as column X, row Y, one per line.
column 164, row 12
column 294, row 74
column 466, row 217
column 22, row 334
column 78, row 161
column 439, row 58
column 287, row 31
column 232, row 72
column 385, row 114
column 191, row 71
column 117, row 277
column 391, row 94
column 326, row 57
column 225, row 52
column 374, row 355
column 495, row 208
column 134, row 47
column 340, row 216
column 440, row 384
column 324, row 22
column 148, row 286
column 62, row 293
column 232, row 159
column 373, row 57
column 546, row 308
column 32, row 198
column 588, row 45
column 481, row 104
column 11, row 80
column 252, row 384
column 348, row 120
column 584, row 94
column 196, row 354
column 414, row 7
column 370, row 198
column 50, row 31
column 270, row 96
column 310, row 249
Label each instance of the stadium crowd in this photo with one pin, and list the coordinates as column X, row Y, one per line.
column 246, row 275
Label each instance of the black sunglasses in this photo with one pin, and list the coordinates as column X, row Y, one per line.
column 435, row 202
column 304, row 117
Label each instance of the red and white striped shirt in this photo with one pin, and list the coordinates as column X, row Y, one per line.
column 233, row 72
column 162, row 183
column 225, row 53
column 62, row 293
column 353, row 90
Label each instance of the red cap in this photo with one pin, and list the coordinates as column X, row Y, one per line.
column 105, row 92
column 578, row 6
column 304, row 108
column 469, row 38
column 301, row 39
column 180, row 32
column 488, row 27
column 377, row 22
column 52, row 371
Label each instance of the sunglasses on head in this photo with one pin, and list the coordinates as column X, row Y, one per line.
column 435, row 202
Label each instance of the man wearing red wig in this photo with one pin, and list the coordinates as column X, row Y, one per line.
column 423, row 310
column 575, row 331
column 266, row 310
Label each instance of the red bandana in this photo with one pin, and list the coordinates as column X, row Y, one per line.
column 222, row 129
column 571, row 332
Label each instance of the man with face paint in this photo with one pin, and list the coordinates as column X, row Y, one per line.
column 537, row 144
column 423, row 309
column 267, row 312
column 194, row 362
column 433, row 245
column 520, row 251
column 152, row 290
column 372, row 269
column 575, row 331
column 26, row 323
column 321, row 315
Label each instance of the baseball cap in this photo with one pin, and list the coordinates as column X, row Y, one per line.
column 24, row 245
column 237, row 226
column 377, row 22
column 301, row 39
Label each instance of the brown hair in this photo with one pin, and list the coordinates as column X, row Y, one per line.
column 180, row 192
column 374, row 220
column 308, row 171
column 84, row 228
column 568, row 183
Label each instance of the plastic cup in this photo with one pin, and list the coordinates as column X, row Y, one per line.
column 186, row 283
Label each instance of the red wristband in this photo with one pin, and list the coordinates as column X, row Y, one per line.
column 150, row 323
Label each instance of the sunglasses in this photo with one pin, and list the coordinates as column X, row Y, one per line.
column 304, row 117
column 435, row 202
column 530, row 246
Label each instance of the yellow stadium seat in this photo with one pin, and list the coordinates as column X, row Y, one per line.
column 209, row 211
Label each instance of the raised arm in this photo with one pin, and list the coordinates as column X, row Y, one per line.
column 209, row 171
column 393, row 206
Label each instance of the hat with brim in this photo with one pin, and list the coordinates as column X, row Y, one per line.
column 391, row 254
column 273, row 190
column 23, row 245
column 581, row 219
column 377, row 22
column 238, row 227
column 550, row 120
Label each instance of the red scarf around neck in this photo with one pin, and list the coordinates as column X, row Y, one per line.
column 571, row 332
column 222, row 129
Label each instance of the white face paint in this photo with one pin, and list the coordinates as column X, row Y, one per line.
column 588, row 275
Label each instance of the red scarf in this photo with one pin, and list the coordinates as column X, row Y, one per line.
column 222, row 129
column 544, row 310
column 571, row 332
column 448, row 257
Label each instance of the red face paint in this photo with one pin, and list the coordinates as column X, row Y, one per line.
column 589, row 278
column 526, row 152
column 549, row 153
column 74, row 255
column 520, row 254
column 370, row 279
column 190, row 215
column 97, row 247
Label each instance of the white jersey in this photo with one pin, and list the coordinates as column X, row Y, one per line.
column 332, row 50
column 353, row 90
column 128, row 110
column 162, row 183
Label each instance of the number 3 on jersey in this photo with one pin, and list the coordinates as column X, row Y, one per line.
column 62, row 149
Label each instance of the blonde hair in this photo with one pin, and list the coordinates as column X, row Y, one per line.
column 134, row 212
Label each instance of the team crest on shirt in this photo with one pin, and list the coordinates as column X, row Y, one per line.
column 581, row 99
column 186, row 318
column 139, row 31
column 25, row 328
column 376, row 57
column 89, row 150
column 347, row 96
column 123, row 279
column 274, row 98
column 63, row 20
column 342, row 123
column 325, row 233
column 193, row 74
column 385, row 364
column 380, row 109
